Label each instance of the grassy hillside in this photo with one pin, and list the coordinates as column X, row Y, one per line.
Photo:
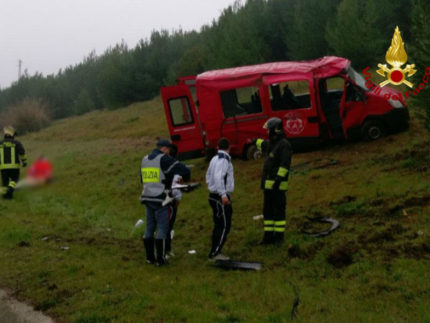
column 70, row 248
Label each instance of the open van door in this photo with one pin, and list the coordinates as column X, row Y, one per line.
column 292, row 99
column 183, row 121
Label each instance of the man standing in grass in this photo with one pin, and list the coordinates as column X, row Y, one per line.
column 220, row 180
column 157, row 172
column 12, row 153
column 274, row 180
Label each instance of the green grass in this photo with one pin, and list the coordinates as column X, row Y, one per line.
column 373, row 269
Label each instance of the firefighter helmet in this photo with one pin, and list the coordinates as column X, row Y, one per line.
column 274, row 126
column 9, row 131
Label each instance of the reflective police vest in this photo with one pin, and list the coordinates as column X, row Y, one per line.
column 153, row 179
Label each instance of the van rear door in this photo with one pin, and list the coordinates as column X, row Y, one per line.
column 183, row 121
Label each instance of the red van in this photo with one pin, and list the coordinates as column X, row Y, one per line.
column 319, row 100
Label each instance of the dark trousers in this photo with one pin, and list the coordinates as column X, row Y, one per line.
column 222, row 222
column 274, row 208
column 9, row 179
column 173, row 210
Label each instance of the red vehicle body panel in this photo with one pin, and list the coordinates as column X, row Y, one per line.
column 236, row 102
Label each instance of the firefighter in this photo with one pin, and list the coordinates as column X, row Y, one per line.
column 274, row 181
column 220, row 180
column 12, row 154
column 157, row 172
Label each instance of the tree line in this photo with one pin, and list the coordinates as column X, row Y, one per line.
column 249, row 32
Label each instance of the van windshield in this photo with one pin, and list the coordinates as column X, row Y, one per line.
column 357, row 78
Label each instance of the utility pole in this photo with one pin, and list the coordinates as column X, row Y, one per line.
column 19, row 69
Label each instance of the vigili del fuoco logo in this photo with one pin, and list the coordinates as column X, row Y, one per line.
column 396, row 75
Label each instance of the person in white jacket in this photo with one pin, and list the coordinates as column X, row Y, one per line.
column 220, row 180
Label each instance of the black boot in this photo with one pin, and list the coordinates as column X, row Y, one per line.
column 149, row 248
column 160, row 245
column 278, row 237
column 268, row 237
column 168, row 244
column 9, row 193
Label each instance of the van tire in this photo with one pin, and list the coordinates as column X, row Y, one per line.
column 252, row 153
column 372, row 130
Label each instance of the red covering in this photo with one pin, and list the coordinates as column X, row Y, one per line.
column 319, row 68
column 41, row 169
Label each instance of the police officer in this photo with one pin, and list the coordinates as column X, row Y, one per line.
column 12, row 154
column 157, row 172
column 274, row 181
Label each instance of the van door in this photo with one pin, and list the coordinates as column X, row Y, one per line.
column 182, row 119
column 293, row 100
column 332, row 100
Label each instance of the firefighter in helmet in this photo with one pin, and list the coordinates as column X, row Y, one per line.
column 12, row 154
column 274, row 181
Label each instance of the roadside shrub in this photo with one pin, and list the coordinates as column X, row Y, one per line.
column 26, row 116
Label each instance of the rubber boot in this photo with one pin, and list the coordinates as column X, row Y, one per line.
column 149, row 248
column 268, row 237
column 278, row 237
column 9, row 193
column 160, row 246
column 168, row 244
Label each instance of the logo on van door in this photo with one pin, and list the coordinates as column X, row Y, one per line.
column 396, row 56
column 295, row 123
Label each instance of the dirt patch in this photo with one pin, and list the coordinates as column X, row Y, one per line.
column 342, row 256
column 306, row 251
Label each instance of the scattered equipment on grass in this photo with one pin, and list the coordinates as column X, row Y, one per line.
column 334, row 225
column 296, row 302
column 183, row 187
column 243, row 265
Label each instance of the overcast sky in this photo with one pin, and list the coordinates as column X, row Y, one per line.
column 51, row 34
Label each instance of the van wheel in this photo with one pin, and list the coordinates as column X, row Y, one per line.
column 252, row 153
column 372, row 130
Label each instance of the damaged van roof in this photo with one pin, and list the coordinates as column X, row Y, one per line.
column 320, row 68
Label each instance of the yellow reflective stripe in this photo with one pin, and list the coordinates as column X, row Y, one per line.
column 1, row 155
column 268, row 184
column 12, row 155
column 258, row 143
column 278, row 223
column 12, row 184
column 9, row 166
column 279, row 229
column 269, row 229
column 283, row 186
column 150, row 175
column 269, row 222
column 282, row 171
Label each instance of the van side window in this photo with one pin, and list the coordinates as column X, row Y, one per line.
column 289, row 95
column 240, row 101
column 180, row 111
